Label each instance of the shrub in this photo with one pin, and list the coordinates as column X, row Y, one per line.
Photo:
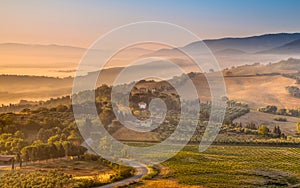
column 263, row 130
column 280, row 119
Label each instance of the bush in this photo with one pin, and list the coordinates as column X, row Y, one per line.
column 298, row 128
column 263, row 130
column 280, row 119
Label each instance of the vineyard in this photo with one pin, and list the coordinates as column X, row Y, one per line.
column 236, row 166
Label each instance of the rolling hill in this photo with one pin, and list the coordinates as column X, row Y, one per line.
column 289, row 48
column 248, row 44
column 255, row 84
column 240, row 51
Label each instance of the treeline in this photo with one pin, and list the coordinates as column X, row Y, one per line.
column 12, row 143
column 44, row 151
column 295, row 76
column 34, row 105
column 282, row 111
column 252, row 128
column 234, row 110
column 40, row 134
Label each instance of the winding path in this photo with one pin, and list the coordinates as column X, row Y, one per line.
column 141, row 170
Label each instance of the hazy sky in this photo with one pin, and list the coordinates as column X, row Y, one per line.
column 81, row 22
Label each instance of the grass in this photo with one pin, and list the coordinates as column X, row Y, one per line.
column 153, row 171
column 162, row 184
column 236, row 166
column 64, row 173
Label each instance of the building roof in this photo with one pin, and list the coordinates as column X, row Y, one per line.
column 142, row 103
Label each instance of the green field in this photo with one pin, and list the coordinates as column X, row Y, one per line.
column 237, row 166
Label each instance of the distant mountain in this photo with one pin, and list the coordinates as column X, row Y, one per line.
column 251, row 44
column 240, row 51
column 248, row 44
column 16, row 87
column 19, row 46
column 230, row 52
column 60, row 60
column 289, row 48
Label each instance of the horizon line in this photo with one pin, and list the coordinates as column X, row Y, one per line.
column 86, row 48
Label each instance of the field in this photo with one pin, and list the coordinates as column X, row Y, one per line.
column 288, row 127
column 261, row 91
column 64, row 173
column 78, row 168
column 231, row 166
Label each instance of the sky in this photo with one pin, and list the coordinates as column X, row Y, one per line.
column 81, row 22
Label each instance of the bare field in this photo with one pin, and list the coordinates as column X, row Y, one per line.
column 260, row 91
column 128, row 135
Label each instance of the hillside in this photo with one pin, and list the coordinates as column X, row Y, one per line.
column 243, row 83
column 36, row 59
column 289, row 48
column 249, row 44
column 262, row 90
column 240, row 51
column 14, row 88
column 290, row 65
column 60, row 60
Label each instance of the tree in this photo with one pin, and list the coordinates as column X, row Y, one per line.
column 67, row 147
column 263, row 130
column 298, row 128
column 269, row 109
column 25, row 154
column 44, row 134
column 277, row 131
column 251, row 126
column 52, row 122
column 2, row 125
column 19, row 159
column 73, row 150
column 6, row 122
column 61, row 108
column 10, row 144
column 106, row 117
column 282, row 111
column 74, row 137
column 19, row 134
column 54, row 139
column 60, row 149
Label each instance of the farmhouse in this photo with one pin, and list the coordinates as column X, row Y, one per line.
column 142, row 105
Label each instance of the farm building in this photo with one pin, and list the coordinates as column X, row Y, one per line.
column 142, row 105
